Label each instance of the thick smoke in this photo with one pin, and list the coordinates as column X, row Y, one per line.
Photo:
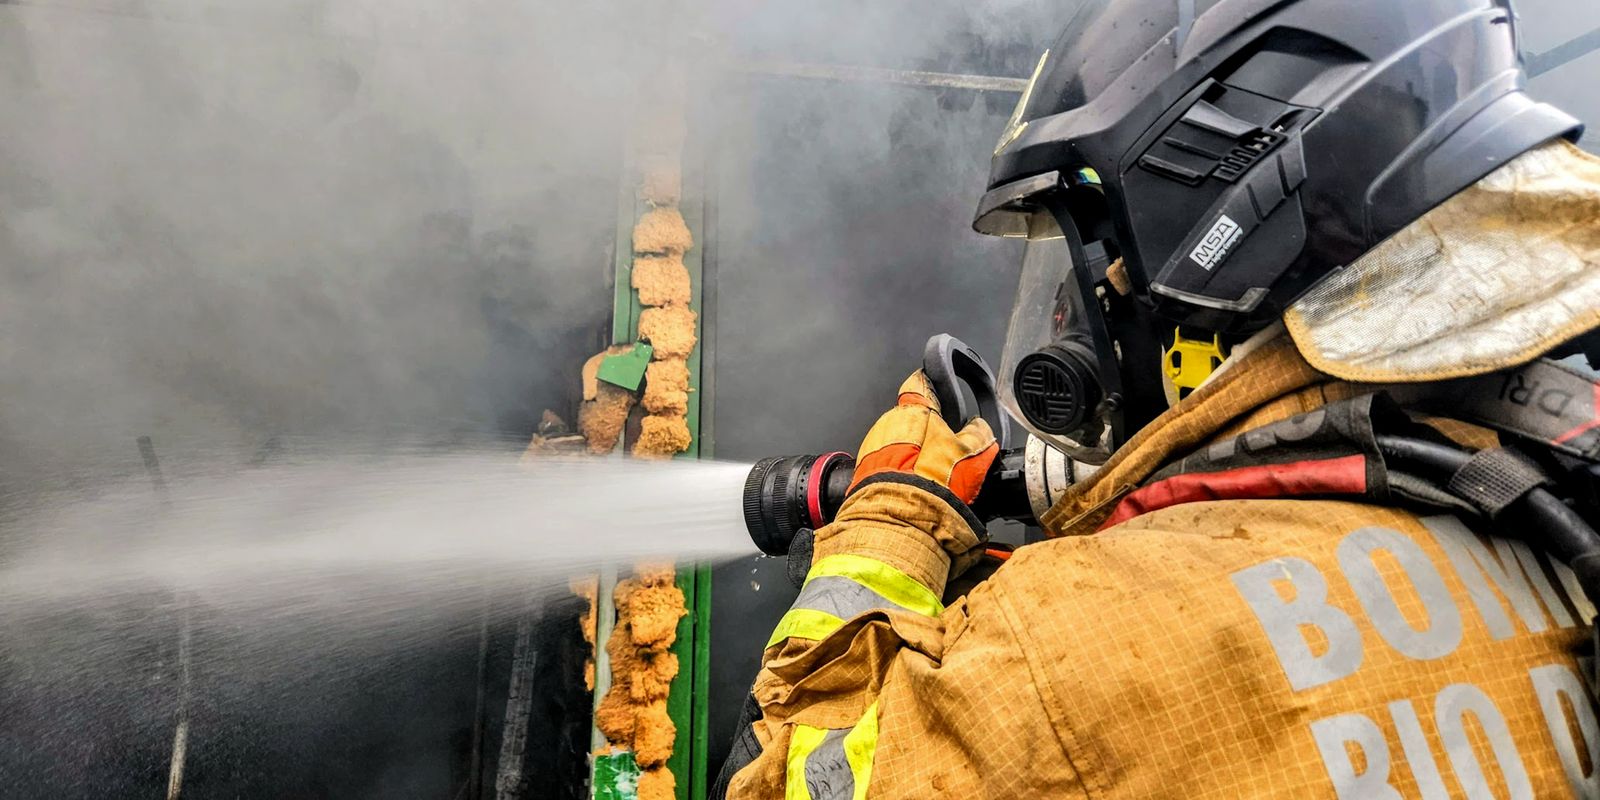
column 222, row 223
column 264, row 231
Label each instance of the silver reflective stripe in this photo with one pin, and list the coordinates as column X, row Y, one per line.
column 828, row 774
column 842, row 597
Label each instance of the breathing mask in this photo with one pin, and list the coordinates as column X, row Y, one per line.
column 1059, row 370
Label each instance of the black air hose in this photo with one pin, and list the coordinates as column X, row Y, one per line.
column 1565, row 532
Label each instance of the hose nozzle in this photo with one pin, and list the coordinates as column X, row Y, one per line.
column 786, row 493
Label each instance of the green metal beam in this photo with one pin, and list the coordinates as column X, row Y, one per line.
column 698, row 184
column 625, row 305
column 681, row 700
column 608, row 777
column 700, row 740
column 687, row 702
column 687, row 698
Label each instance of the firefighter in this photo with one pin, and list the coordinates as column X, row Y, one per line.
column 1297, row 281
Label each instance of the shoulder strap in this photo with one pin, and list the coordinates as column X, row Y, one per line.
column 1545, row 401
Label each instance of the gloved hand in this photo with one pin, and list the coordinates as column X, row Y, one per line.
column 914, row 474
column 912, row 439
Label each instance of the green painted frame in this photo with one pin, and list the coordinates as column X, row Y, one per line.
column 686, row 701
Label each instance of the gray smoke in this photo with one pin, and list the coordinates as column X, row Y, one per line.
column 289, row 232
column 223, row 223
column 1547, row 25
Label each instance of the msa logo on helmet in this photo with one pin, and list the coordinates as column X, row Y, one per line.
column 1214, row 246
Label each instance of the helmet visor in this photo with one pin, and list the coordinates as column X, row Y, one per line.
column 1049, row 314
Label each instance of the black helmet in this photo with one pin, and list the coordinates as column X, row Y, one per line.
column 1232, row 153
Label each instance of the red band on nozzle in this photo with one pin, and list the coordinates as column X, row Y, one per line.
column 814, row 485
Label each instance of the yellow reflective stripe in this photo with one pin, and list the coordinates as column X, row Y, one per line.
column 895, row 586
column 832, row 764
column 804, row 740
column 804, row 623
column 860, row 745
column 887, row 582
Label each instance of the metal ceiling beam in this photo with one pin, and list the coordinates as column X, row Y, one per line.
column 1563, row 54
column 845, row 73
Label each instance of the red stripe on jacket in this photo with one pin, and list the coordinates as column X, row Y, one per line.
column 1347, row 475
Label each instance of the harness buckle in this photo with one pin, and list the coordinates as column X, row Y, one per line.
column 1190, row 362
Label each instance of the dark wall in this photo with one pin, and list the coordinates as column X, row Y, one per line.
column 841, row 245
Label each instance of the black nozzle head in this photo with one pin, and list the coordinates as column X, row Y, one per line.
column 1058, row 387
column 757, row 507
column 784, row 494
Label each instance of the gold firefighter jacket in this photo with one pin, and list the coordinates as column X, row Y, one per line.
column 1230, row 648
column 1216, row 649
